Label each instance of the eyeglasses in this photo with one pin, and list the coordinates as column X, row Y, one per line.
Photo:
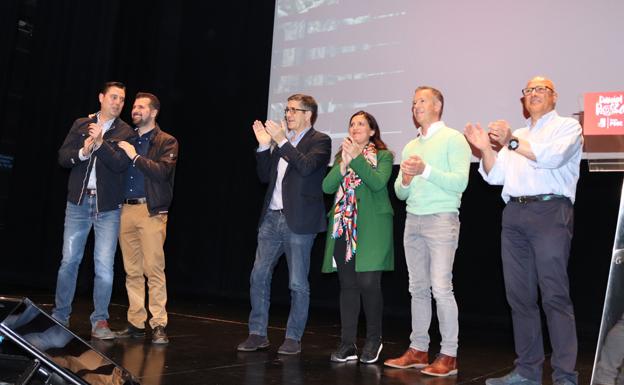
column 293, row 110
column 539, row 89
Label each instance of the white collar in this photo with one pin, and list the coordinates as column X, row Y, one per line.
column 433, row 128
column 542, row 120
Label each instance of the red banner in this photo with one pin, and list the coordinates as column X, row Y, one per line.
column 604, row 113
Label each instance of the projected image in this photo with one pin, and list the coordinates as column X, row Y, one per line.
column 353, row 55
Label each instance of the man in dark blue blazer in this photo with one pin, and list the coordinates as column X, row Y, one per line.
column 292, row 158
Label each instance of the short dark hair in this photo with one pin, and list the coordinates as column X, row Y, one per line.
column 308, row 103
column 436, row 94
column 108, row 85
column 154, row 102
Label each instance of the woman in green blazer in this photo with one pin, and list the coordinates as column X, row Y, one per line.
column 359, row 237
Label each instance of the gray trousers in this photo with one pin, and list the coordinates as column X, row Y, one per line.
column 535, row 247
column 430, row 242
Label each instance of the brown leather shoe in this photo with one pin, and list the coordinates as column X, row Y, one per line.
column 442, row 366
column 412, row 358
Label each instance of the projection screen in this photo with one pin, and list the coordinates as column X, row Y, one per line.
column 371, row 55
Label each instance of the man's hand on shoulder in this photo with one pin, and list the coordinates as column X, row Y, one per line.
column 128, row 149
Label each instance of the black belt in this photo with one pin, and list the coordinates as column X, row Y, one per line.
column 281, row 211
column 91, row 191
column 536, row 198
column 135, row 201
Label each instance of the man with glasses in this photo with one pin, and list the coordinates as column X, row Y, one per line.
column 292, row 158
column 538, row 167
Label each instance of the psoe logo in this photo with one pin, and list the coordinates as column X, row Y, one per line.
column 610, row 122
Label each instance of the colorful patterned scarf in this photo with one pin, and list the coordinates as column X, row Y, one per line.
column 345, row 205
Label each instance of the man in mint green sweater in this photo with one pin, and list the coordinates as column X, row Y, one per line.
column 433, row 176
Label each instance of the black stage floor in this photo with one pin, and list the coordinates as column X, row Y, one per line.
column 204, row 334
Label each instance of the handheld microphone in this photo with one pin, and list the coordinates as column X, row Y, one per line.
column 94, row 120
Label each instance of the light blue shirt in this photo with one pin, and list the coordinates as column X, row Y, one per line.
column 282, row 165
column 557, row 144
column 92, row 184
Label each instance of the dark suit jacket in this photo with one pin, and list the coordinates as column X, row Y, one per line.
column 302, row 195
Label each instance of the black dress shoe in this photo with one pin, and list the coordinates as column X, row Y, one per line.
column 130, row 332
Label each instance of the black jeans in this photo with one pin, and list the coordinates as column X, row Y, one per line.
column 354, row 284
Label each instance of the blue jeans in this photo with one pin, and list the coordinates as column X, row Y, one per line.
column 78, row 222
column 275, row 239
column 430, row 242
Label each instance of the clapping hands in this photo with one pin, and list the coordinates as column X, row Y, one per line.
column 410, row 167
column 268, row 131
column 499, row 132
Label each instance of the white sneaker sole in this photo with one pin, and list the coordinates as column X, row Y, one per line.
column 376, row 357
column 348, row 358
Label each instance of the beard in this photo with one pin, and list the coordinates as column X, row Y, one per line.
column 138, row 120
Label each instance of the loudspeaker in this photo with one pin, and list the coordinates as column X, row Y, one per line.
column 59, row 357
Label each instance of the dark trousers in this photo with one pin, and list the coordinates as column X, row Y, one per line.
column 354, row 284
column 535, row 245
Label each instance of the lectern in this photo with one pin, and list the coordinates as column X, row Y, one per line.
column 603, row 129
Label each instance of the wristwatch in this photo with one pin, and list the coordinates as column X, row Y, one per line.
column 513, row 143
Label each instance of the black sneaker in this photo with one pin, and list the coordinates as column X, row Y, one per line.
column 370, row 353
column 159, row 336
column 345, row 352
column 130, row 332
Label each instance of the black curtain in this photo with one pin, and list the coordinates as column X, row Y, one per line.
column 8, row 31
column 209, row 64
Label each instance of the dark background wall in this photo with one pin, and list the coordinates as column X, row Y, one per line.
column 209, row 63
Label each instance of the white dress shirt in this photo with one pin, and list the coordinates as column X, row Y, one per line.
column 92, row 184
column 282, row 165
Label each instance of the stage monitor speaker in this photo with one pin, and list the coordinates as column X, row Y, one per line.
column 59, row 356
